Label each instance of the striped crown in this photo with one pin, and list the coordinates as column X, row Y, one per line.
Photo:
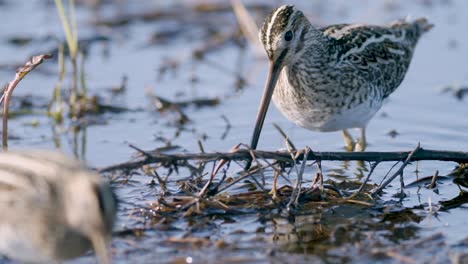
column 277, row 24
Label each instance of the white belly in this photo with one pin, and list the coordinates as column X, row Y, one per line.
column 356, row 117
column 321, row 112
column 320, row 120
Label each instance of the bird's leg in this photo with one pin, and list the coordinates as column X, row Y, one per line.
column 348, row 139
column 361, row 144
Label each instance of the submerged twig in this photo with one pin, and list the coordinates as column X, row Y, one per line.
column 372, row 168
column 433, row 181
column 297, row 189
column 228, row 127
column 399, row 171
column 243, row 176
column 214, row 172
column 319, row 175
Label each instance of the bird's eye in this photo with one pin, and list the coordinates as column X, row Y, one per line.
column 288, row 36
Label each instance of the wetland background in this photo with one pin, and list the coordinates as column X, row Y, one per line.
column 175, row 76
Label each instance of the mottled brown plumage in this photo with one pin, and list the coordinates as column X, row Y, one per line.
column 336, row 77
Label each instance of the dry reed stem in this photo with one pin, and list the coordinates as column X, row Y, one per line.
column 20, row 74
column 247, row 25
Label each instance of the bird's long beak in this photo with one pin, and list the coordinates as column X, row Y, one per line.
column 273, row 73
column 100, row 248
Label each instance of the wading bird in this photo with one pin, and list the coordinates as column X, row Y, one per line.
column 52, row 208
column 336, row 77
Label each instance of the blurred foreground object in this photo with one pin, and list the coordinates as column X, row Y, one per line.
column 53, row 209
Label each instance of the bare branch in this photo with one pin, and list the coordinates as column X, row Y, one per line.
column 243, row 154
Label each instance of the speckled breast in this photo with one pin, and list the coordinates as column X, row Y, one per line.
column 329, row 107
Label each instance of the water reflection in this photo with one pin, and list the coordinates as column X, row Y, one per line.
column 322, row 230
column 347, row 170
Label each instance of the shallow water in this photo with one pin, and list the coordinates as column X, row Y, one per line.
column 418, row 111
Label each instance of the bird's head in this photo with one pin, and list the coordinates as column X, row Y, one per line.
column 283, row 35
column 90, row 207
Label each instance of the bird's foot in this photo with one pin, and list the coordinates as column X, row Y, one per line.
column 273, row 193
column 350, row 146
column 360, row 146
column 349, row 141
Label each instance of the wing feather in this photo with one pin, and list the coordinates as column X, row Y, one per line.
column 381, row 54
